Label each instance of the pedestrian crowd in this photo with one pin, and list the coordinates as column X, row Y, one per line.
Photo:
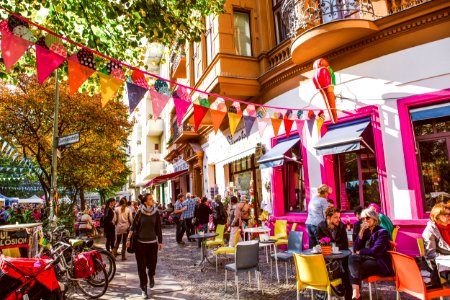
column 23, row 213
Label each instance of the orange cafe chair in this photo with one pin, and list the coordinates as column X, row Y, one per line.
column 408, row 279
column 421, row 246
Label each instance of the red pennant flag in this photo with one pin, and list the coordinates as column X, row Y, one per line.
column 217, row 118
column 300, row 124
column 78, row 74
column 288, row 126
column 46, row 62
column 139, row 79
column 159, row 101
column 181, row 107
column 13, row 47
column 199, row 114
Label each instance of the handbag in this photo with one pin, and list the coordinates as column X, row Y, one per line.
column 130, row 249
column 336, row 271
column 430, row 272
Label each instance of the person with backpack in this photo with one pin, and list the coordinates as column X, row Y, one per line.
column 244, row 208
column 219, row 212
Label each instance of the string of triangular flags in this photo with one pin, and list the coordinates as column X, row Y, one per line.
column 51, row 54
column 20, row 188
column 10, row 151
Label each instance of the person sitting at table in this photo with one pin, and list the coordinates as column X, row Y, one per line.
column 385, row 222
column 371, row 256
column 202, row 212
column 333, row 228
column 436, row 238
column 86, row 223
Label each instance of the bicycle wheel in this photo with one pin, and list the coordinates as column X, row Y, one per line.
column 95, row 285
column 109, row 262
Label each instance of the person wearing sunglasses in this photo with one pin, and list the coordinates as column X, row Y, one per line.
column 436, row 238
column 370, row 248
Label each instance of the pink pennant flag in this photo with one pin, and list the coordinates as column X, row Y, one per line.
column 262, row 124
column 159, row 101
column 181, row 107
column 300, row 124
column 13, row 47
column 46, row 62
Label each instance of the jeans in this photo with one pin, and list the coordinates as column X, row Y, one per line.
column 190, row 229
column 361, row 267
column 312, row 233
column 180, row 231
column 121, row 238
column 110, row 234
column 146, row 259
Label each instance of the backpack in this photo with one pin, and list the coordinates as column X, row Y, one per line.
column 245, row 211
column 223, row 216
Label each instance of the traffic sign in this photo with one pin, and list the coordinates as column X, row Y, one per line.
column 68, row 139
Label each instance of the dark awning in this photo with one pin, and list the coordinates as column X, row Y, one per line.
column 164, row 178
column 430, row 112
column 345, row 137
column 276, row 156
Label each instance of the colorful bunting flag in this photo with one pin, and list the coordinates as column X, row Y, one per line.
column 319, row 122
column 159, row 101
column 13, row 47
column 300, row 124
column 288, row 126
column 46, row 62
column 139, row 78
column 181, row 107
column 248, row 122
column 276, row 123
column 135, row 95
column 234, row 120
column 199, row 114
column 78, row 74
column 109, row 86
column 217, row 118
column 262, row 124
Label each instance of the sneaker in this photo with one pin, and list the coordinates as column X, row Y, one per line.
column 152, row 282
column 144, row 294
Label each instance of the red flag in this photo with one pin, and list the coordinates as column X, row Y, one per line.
column 13, row 47
column 300, row 124
column 288, row 126
column 181, row 107
column 46, row 62
column 199, row 114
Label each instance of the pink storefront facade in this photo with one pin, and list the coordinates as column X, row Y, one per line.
column 411, row 227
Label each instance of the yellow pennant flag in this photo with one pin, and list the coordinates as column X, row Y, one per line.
column 109, row 86
column 319, row 122
column 234, row 121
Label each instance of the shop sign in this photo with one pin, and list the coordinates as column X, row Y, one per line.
column 180, row 165
column 239, row 135
column 13, row 239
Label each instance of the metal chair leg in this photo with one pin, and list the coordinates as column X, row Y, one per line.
column 237, row 285
column 217, row 269
column 398, row 295
column 249, row 280
column 260, row 282
column 370, row 291
column 225, row 280
column 286, row 266
column 298, row 294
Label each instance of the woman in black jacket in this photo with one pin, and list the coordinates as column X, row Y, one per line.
column 109, row 224
column 202, row 212
column 147, row 232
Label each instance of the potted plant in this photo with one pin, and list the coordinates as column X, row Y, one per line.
column 325, row 245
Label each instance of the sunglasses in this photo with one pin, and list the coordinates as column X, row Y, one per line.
column 367, row 218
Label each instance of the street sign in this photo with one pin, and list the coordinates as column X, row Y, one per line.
column 68, row 139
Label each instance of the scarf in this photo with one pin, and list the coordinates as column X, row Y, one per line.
column 445, row 232
column 148, row 211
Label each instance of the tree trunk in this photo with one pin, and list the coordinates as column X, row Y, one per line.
column 82, row 200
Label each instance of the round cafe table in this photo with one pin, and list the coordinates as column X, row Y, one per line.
column 249, row 230
column 333, row 256
column 203, row 253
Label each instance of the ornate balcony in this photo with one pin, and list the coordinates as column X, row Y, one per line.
column 183, row 133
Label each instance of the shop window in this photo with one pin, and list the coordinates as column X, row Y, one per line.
column 357, row 179
column 209, row 39
column 242, row 35
column 294, row 179
column 433, row 155
column 242, row 176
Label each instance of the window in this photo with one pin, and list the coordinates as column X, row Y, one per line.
column 356, row 179
column 209, row 39
column 242, row 36
column 156, row 148
column 280, row 28
column 293, row 177
column 433, row 156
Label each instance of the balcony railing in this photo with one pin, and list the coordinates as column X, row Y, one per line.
column 304, row 14
column 399, row 5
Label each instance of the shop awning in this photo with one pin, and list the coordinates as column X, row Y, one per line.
column 164, row 178
column 276, row 156
column 430, row 112
column 346, row 137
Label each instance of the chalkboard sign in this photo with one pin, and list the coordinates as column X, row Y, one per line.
column 14, row 239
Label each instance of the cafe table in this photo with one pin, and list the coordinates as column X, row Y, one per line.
column 203, row 237
column 249, row 230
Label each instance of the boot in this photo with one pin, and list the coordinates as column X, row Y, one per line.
column 114, row 252
column 124, row 257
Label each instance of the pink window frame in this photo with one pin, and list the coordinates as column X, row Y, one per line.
column 409, row 148
column 327, row 170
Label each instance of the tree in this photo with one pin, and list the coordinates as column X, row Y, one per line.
column 97, row 161
column 121, row 28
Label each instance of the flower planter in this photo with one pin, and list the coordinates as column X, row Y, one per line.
column 326, row 250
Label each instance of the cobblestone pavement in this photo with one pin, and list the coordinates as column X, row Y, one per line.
column 178, row 278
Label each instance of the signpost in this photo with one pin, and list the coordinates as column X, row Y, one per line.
column 68, row 139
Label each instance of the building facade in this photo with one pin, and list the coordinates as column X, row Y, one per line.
column 391, row 142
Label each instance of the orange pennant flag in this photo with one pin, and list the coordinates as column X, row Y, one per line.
column 276, row 123
column 234, row 121
column 217, row 118
column 109, row 86
column 78, row 74
column 319, row 122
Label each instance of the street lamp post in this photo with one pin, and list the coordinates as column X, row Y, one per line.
column 54, row 149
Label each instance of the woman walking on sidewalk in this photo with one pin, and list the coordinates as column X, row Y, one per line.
column 123, row 215
column 146, row 229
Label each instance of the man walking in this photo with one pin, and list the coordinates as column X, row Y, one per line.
column 188, row 215
column 178, row 219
